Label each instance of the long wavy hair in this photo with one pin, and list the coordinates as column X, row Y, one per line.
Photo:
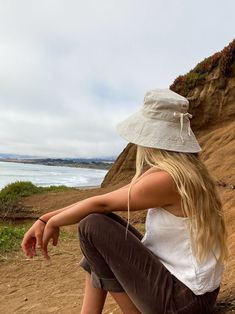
column 200, row 200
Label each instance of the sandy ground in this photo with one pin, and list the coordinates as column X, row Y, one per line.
column 40, row 286
column 56, row 286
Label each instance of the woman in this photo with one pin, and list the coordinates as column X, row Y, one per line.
column 178, row 265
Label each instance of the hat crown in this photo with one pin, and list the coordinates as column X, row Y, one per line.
column 165, row 100
column 165, row 104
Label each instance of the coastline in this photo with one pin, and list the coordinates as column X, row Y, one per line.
column 99, row 165
column 43, row 176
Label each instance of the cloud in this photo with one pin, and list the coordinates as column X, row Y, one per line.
column 70, row 70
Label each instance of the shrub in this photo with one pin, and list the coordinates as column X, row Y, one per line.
column 53, row 188
column 227, row 59
column 197, row 76
column 11, row 194
column 19, row 188
column 208, row 64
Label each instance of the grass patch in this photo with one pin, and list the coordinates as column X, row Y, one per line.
column 12, row 193
column 11, row 237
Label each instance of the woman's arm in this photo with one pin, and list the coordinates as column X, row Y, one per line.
column 33, row 237
column 49, row 215
column 152, row 190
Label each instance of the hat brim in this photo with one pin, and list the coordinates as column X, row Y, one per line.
column 143, row 131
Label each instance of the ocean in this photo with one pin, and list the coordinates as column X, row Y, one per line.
column 42, row 175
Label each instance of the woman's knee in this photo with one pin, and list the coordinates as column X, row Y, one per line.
column 91, row 223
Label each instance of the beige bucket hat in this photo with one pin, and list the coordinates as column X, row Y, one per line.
column 162, row 122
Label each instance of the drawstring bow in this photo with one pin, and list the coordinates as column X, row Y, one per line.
column 181, row 115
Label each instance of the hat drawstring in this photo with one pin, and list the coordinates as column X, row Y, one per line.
column 181, row 115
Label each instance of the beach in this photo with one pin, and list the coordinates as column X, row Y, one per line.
column 43, row 175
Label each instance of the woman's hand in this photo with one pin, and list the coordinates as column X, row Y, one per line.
column 33, row 239
column 50, row 232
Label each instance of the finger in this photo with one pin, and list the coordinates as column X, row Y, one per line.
column 34, row 247
column 44, row 247
column 55, row 240
column 45, row 253
column 39, row 241
column 26, row 247
column 23, row 247
column 31, row 249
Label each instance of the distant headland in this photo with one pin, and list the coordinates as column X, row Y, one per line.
column 91, row 163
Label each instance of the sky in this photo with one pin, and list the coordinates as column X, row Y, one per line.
column 70, row 70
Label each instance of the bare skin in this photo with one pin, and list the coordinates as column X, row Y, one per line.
column 154, row 188
column 94, row 299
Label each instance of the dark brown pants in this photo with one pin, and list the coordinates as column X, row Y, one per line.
column 122, row 264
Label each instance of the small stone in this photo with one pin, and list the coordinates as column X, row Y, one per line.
column 25, row 299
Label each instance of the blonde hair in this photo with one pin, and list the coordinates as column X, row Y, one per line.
column 200, row 201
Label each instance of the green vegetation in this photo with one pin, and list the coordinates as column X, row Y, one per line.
column 224, row 59
column 11, row 236
column 11, row 194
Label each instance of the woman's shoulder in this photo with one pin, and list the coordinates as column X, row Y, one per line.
column 155, row 172
column 155, row 177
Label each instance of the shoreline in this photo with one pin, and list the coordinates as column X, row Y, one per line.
column 70, row 177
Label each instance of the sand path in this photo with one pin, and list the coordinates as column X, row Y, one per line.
column 38, row 286
column 41, row 287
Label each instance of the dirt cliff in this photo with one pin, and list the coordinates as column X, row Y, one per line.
column 210, row 88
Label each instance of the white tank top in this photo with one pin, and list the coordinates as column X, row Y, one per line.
column 167, row 236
